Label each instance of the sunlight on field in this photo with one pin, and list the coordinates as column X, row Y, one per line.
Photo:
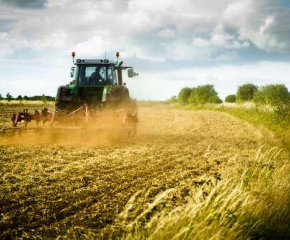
column 186, row 175
column 18, row 103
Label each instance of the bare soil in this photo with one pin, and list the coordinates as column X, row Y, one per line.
column 50, row 190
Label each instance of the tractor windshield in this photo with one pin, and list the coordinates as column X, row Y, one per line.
column 96, row 75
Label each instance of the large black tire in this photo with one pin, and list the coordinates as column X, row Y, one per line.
column 120, row 100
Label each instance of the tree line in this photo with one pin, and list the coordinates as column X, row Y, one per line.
column 274, row 95
column 198, row 95
column 43, row 98
column 271, row 94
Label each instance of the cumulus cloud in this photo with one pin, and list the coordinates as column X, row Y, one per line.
column 64, row 24
column 6, row 24
column 167, row 34
column 262, row 23
column 268, row 22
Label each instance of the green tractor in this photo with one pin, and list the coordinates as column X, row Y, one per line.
column 96, row 98
column 97, row 95
column 97, row 83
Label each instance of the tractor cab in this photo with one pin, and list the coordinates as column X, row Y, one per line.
column 95, row 82
column 94, row 73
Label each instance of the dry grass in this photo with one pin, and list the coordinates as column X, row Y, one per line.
column 249, row 203
column 187, row 175
column 20, row 103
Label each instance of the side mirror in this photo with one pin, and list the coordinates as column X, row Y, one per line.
column 72, row 71
column 131, row 73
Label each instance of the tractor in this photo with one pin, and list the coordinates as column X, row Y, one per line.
column 95, row 98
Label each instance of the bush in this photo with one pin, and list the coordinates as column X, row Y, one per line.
column 204, row 94
column 173, row 99
column 282, row 113
column 8, row 97
column 272, row 94
column 246, row 92
column 184, row 95
column 231, row 98
column 278, row 96
column 44, row 99
column 19, row 98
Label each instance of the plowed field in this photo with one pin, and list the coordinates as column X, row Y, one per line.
column 102, row 190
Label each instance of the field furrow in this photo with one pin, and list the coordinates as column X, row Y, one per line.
column 50, row 190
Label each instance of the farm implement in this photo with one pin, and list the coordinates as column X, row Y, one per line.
column 95, row 101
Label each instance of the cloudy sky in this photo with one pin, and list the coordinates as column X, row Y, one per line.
column 171, row 43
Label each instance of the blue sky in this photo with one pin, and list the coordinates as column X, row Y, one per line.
column 171, row 43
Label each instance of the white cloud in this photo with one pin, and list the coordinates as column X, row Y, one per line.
column 167, row 33
column 258, row 22
column 64, row 24
column 268, row 22
column 181, row 31
column 96, row 46
column 200, row 42
column 141, row 54
column 183, row 51
column 219, row 37
column 238, row 11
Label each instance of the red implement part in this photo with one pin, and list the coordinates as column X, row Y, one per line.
column 25, row 116
column 83, row 117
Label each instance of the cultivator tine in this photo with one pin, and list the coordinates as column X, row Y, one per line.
column 15, row 119
column 124, row 118
column 87, row 115
column 26, row 117
column 52, row 119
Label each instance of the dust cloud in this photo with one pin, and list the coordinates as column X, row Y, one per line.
column 157, row 125
column 104, row 130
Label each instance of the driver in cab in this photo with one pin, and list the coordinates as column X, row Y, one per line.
column 96, row 78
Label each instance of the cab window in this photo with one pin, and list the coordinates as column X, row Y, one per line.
column 96, row 75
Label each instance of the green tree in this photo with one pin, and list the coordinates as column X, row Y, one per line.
column 1, row 97
column 204, row 94
column 173, row 99
column 44, row 99
column 26, row 98
column 184, row 95
column 8, row 97
column 272, row 94
column 246, row 92
column 231, row 98
column 19, row 98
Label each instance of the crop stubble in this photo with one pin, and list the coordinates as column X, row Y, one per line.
column 105, row 189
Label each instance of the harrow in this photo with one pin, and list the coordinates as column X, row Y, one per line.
column 121, row 123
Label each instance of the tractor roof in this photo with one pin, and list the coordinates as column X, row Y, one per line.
column 94, row 61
